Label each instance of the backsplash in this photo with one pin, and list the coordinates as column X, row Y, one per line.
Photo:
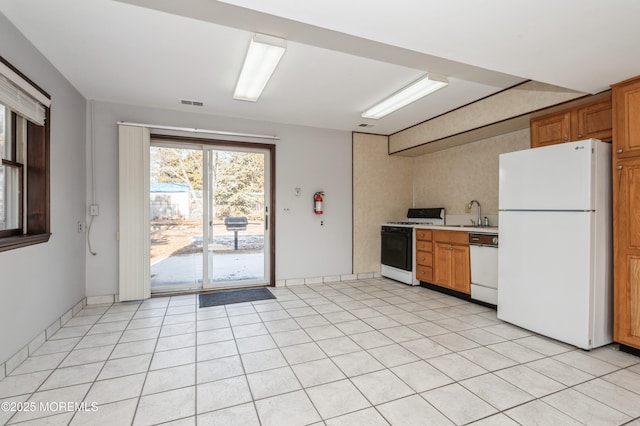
column 451, row 178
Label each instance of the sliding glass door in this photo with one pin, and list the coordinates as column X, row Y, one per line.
column 238, row 194
column 210, row 208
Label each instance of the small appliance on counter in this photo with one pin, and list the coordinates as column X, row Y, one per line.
column 398, row 240
column 555, row 253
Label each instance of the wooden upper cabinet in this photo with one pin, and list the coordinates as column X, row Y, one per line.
column 626, row 116
column 550, row 129
column 593, row 120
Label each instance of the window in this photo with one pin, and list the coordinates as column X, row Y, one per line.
column 24, row 160
column 11, row 173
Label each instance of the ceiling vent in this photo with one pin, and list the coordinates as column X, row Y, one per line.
column 365, row 125
column 193, row 103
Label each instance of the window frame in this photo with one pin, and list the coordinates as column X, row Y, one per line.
column 35, row 182
column 19, row 230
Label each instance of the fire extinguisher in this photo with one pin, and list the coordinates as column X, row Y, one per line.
column 317, row 202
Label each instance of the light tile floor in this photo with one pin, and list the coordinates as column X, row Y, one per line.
column 368, row 352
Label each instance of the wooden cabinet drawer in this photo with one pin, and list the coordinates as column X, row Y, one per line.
column 452, row 237
column 424, row 246
column 424, row 273
column 424, row 258
column 424, row 234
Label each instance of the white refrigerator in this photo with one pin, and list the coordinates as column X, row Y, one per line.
column 555, row 253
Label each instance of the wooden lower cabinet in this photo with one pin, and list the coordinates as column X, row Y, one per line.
column 626, row 251
column 451, row 262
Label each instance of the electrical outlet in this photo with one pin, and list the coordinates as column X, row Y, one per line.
column 287, row 210
column 298, row 192
column 80, row 227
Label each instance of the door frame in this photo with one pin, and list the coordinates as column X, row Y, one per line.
column 272, row 182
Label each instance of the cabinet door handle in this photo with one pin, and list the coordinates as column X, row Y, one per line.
column 580, row 135
column 619, row 150
column 565, row 138
column 619, row 167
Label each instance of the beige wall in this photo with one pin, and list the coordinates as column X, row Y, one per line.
column 452, row 177
column 382, row 191
column 385, row 186
column 499, row 107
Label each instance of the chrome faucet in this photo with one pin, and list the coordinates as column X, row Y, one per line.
column 470, row 205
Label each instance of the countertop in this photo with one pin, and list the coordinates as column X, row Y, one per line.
column 483, row 229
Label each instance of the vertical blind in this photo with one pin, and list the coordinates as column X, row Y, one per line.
column 133, row 211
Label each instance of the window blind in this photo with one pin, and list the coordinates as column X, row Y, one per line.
column 19, row 95
column 133, row 206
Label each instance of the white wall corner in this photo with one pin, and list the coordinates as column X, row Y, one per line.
column 281, row 283
column 37, row 342
column 16, row 360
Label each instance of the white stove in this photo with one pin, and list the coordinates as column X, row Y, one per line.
column 398, row 241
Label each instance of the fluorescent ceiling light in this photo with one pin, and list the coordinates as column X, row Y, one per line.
column 262, row 59
column 416, row 90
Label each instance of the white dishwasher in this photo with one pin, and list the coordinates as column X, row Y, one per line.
column 484, row 267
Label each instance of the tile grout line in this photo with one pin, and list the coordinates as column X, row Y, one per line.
column 304, row 297
column 32, row 394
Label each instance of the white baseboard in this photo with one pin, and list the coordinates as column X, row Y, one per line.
column 327, row 279
column 10, row 364
column 19, row 357
column 102, row 300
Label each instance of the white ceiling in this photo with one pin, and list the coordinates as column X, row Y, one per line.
column 342, row 56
